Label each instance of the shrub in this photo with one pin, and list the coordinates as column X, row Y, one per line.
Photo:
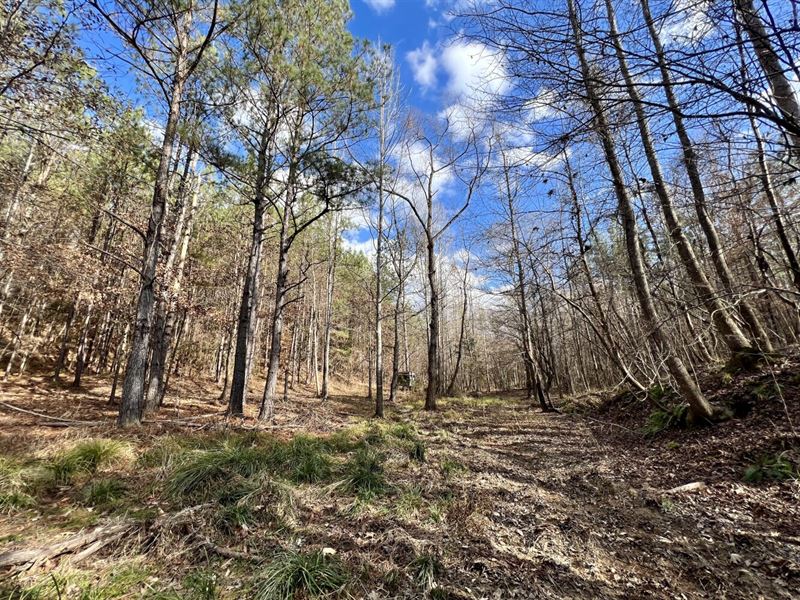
column 776, row 467
column 301, row 574
column 660, row 420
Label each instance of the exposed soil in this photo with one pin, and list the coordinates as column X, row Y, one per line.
column 577, row 505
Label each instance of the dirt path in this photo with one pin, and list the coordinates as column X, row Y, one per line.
column 532, row 506
column 568, row 515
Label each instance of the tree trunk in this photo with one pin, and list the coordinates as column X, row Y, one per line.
column 462, row 331
column 133, row 386
column 281, row 285
column 782, row 92
column 433, row 327
column 329, row 288
column 718, row 259
column 725, row 324
column 245, row 330
column 699, row 406
column 62, row 353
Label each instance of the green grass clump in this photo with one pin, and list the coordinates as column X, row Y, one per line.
column 202, row 471
column 344, row 440
column 403, row 431
column 85, row 458
column 771, row 467
column 16, row 482
column 15, row 501
column 410, row 502
column 426, row 568
column 375, row 436
column 202, row 585
column 305, row 459
column 416, row 451
column 295, row 574
column 451, row 467
column 104, row 492
column 234, row 517
column 661, row 420
column 767, row 391
column 364, row 474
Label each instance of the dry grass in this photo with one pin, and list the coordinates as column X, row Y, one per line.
column 483, row 498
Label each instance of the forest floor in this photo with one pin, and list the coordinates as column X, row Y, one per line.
column 486, row 498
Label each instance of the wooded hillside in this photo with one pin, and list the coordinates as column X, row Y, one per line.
column 243, row 246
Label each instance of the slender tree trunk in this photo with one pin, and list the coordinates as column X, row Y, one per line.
column 329, row 288
column 133, row 386
column 173, row 278
column 379, row 267
column 699, row 406
column 718, row 259
column 433, row 327
column 782, row 91
column 725, row 324
column 777, row 216
column 62, row 353
column 281, row 285
column 245, row 330
column 461, row 332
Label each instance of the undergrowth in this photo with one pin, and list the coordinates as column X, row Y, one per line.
column 661, row 420
column 771, row 467
column 296, row 574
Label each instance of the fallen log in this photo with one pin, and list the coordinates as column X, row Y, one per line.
column 95, row 539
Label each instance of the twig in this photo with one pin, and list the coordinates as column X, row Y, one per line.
column 610, row 423
column 229, row 552
column 38, row 414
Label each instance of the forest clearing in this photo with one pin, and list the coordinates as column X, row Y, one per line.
column 485, row 498
column 472, row 299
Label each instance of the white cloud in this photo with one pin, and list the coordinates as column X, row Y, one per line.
column 476, row 75
column 353, row 244
column 473, row 70
column 380, row 6
column 688, row 23
column 423, row 64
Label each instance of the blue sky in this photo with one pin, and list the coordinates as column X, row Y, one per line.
column 438, row 72
column 406, row 25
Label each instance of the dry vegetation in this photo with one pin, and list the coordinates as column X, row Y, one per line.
column 484, row 499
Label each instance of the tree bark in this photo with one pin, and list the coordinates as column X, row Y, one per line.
column 245, row 330
column 333, row 245
column 133, row 386
column 751, row 318
column 699, row 406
